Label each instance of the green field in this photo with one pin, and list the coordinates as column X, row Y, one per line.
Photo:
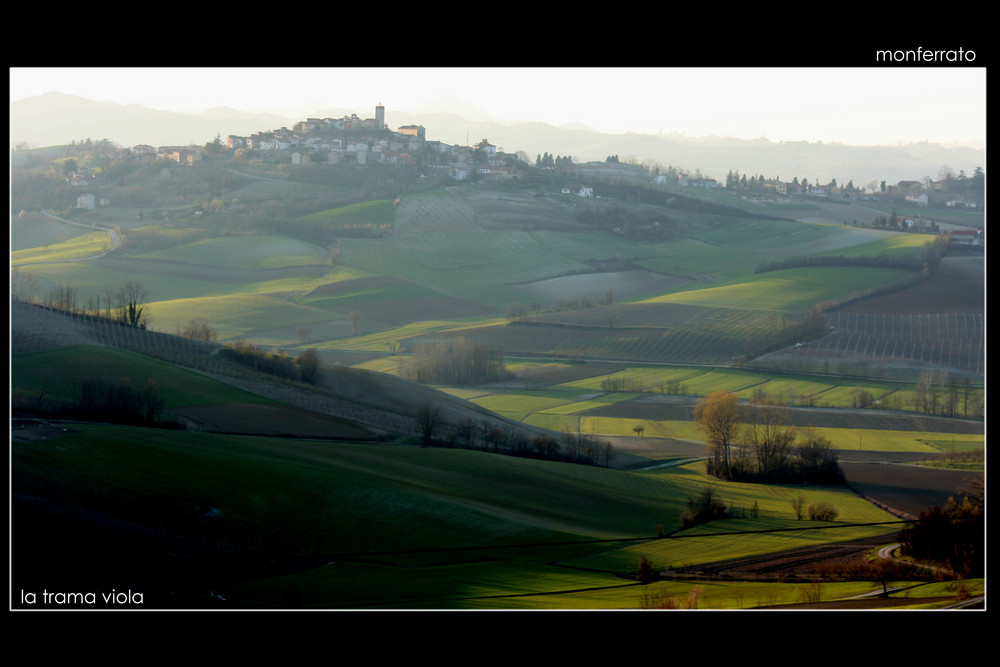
column 244, row 252
column 596, row 327
column 790, row 290
column 57, row 373
column 78, row 247
column 461, row 521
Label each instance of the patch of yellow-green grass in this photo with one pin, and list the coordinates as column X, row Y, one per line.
column 390, row 365
column 775, row 528
column 967, row 588
column 299, row 286
column 745, row 384
column 245, row 252
column 858, row 439
column 385, row 340
column 895, row 244
column 691, row 595
column 652, row 428
column 647, row 378
column 558, row 423
column 721, row 379
column 592, row 403
column 467, row 394
column 789, row 290
column 364, row 215
column 79, row 247
column 233, row 316
column 519, row 405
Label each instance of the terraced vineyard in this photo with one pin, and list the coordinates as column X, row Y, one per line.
column 950, row 340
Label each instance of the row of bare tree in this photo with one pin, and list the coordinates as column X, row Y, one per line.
column 124, row 304
column 508, row 439
column 752, row 442
column 457, row 362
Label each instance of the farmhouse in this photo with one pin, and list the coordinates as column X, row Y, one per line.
column 578, row 190
column 971, row 237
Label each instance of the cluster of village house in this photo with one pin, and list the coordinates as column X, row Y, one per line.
column 315, row 141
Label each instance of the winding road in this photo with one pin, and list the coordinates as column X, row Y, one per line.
column 116, row 241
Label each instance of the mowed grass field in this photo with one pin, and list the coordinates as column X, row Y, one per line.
column 790, row 290
column 57, row 374
column 78, row 247
column 584, row 405
column 472, row 530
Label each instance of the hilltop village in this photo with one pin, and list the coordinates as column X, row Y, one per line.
column 353, row 140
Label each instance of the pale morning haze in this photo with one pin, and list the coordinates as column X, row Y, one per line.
column 463, row 339
column 858, row 106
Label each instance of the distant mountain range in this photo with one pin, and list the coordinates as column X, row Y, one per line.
column 55, row 118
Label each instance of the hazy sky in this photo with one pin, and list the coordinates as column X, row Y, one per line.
column 849, row 105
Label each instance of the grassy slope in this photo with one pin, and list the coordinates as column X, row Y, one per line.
column 57, row 373
column 345, row 501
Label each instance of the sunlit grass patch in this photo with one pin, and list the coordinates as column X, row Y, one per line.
column 245, row 252
column 789, row 290
column 78, row 247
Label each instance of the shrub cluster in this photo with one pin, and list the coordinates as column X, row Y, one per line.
column 119, row 402
column 706, row 507
column 954, row 534
column 822, row 511
column 304, row 368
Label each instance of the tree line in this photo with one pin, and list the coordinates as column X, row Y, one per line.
column 753, row 443
column 489, row 436
column 456, row 362
column 936, row 394
column 953, row 534
column 928, row 260
column 305, row 367
column 125, row 304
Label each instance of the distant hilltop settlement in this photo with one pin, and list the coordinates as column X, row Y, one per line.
column 370, row 141
column 352, row 140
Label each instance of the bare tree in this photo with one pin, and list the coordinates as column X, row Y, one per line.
column 767, row 434
column 198, row 328
column 799, row 505
column 63, row 297
column 466, row 432
column 355, row 318
column 309, row 365
column 428, row 421
column 129, row 304
column 718, row 416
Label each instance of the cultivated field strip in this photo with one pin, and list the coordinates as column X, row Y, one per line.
column 952, row 340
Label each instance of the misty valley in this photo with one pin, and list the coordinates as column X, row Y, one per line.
column 343, row 366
